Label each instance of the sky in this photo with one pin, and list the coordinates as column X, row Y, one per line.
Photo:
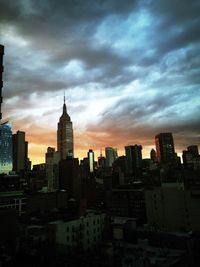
column 130, row 69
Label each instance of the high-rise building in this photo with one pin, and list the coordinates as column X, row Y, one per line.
column 133, row 159
column 20, row 152
column 1, row 71
column 190, row 156
column 153, row 155
column 65, row 142
column 165, row 147
column 111, row 156
column 52, row 158
column 194, row 150
column 5, row 148
column 91, row 160
column 69, row 177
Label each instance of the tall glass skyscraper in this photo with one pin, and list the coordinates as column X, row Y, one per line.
column 5, row 148
column 65, row 142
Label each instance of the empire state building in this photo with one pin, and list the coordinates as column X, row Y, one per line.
column 65, row 142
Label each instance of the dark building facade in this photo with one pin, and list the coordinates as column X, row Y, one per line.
column 193, row 150
column 133, row 159
column 69, row 177
column 190, row 157
column 65, row 142
column 1, row 72
column 165, row 147
column 127, row 202
column 20, row 152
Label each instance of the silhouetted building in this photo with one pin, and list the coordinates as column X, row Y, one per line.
column 119, row 171
column 65, row 135
column 5, row 148
column 101, row 161
column 20, row 152
column 69, row 177
column 153, row 155
column 165, row 148
column 191, row 157
column 37, row 181
column 133, row 159
column 91, row 160
column 194, row 150
column 52, row 158
column 1, row 81
column 111, row 156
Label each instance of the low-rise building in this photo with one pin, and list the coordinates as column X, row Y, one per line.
column 84, row 233
column 13, row 200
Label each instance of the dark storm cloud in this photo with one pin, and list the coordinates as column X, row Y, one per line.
column 64, row 30
column 179, row 23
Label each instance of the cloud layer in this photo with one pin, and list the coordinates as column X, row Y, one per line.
column 130, row 69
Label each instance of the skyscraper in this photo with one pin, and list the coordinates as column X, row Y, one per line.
column 1, row 71
column 111, row 156
column 65, row 142
column 153, row 155
column 134, row 159
column 194, row 150
column 51, row 160
column 5, row 148
column 20, row 152
column 91, row 160
column 69, row 177
column 165, row 147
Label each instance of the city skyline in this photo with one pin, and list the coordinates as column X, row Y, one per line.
column 130, row 71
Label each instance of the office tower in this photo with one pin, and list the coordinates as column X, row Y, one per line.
column 5, row 148
column 101, row 161
column 91, row 160
column 1, row 81
column 65, row 135
column 52, row 158
column 194, row 150
column 20, row 152
column 133, row 159
column 190, row 157
column 153, row 155
column 69, row 177
column 165, row 147
column 111, row 156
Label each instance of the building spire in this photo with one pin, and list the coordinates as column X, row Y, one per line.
column 64, row 106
